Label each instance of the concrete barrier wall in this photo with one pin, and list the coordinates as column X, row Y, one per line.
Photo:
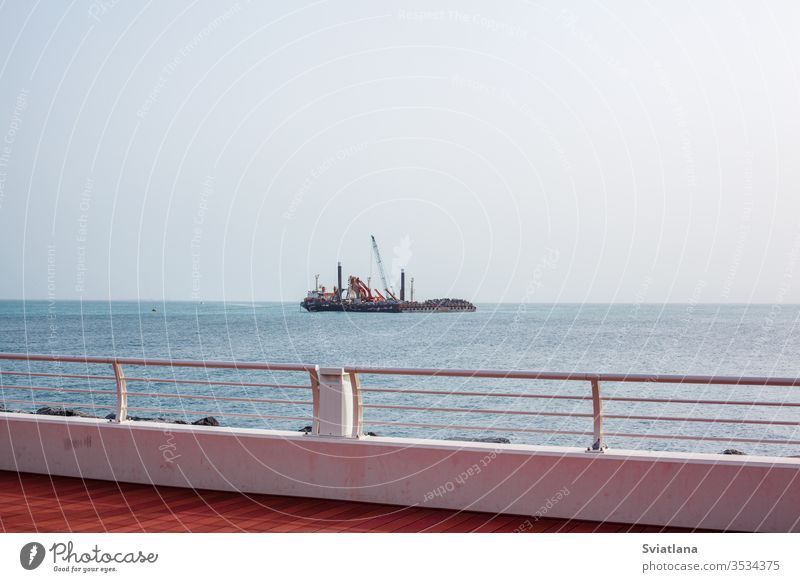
column 698, row 491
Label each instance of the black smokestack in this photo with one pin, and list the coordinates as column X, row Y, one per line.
column 402, row 284
column 339, row 279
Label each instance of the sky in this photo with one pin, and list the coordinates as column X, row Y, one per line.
column 627, row 151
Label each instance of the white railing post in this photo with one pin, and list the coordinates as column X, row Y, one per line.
column 358, row 405
column 314, row 374
column 122, row 394
column 337, row 405
column 598, row 443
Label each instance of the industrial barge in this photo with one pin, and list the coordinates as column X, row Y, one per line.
column 359, row 297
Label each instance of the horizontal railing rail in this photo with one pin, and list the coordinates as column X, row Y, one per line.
column 337, row 405
column 160, row 362
column 581, row 376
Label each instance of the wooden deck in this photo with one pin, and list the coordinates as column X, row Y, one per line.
column 40, row 503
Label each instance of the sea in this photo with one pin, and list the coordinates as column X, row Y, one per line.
column 703, row 339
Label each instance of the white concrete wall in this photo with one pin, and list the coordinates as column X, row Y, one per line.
column 705, row 491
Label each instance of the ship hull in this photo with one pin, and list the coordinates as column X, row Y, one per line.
column 324, row 306
column 386, row 307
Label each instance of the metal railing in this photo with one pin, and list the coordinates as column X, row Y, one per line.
column 122, row 394
column 337, row 403
column 598, row 433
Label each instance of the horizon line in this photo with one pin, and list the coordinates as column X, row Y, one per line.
column 261, row 301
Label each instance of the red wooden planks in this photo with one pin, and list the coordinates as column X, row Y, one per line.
column 62, row 504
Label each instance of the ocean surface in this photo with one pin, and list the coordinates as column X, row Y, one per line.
column 672, row 339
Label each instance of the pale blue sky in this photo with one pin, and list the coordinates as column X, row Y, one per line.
column 515, row 151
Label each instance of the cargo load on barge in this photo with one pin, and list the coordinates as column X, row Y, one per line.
column 359, row 297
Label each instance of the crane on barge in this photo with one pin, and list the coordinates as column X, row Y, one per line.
column 386, row 287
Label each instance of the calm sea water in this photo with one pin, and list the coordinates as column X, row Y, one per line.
column 682, row 339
